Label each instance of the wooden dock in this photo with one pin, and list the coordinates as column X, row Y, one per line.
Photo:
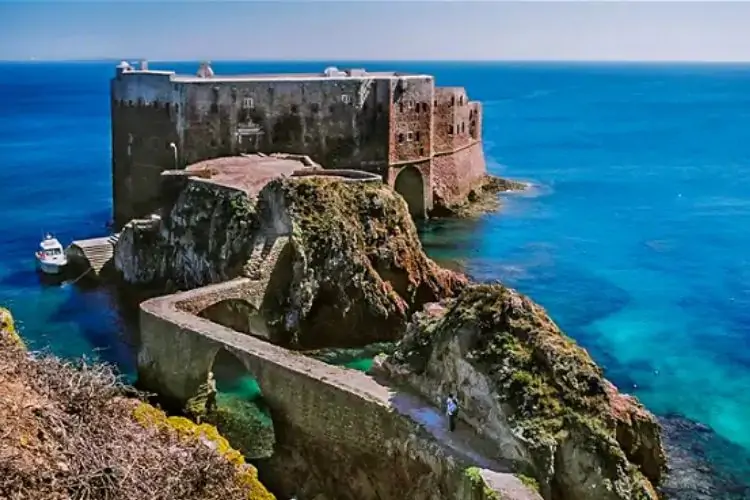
column 94, row 256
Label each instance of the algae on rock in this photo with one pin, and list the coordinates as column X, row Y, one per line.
column 537, row 395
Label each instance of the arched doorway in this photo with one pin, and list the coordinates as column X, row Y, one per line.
column 410, row 185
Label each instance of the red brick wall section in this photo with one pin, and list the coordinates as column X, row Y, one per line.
column 455, row 175
column 452, row 123
column 411, row 119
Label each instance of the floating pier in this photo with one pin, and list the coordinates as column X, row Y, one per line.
column 93, row 257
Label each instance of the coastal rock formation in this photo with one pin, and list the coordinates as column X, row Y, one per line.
column 71, row 432
column 481, row 198
column 539, row 397
column 358, row 271
column 338, row 261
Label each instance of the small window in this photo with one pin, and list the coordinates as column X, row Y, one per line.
column 346, row 98
column 450, row 129
column 400, row 137
column 463, row 128
column 248, row 103
column 294, row 108
column 434, row 103
column 421, row 151
column 410, row 136
column 176, row 108
column 424, row 107
column 471, row 114
column 416, row 136
column 401, row 107
column 453, row 100
column 461, row 101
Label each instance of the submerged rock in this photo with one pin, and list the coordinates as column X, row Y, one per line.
column 531, row 390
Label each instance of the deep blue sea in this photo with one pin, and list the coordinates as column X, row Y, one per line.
column 635, row 237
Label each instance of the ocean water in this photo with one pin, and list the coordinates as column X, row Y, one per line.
column 635, row 237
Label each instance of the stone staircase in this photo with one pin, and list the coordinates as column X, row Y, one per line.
column 263, row 258
column 92, row 254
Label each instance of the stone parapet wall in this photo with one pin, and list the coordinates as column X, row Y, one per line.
column 366, row 446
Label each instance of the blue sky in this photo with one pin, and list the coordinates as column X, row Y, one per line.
column 359, row 30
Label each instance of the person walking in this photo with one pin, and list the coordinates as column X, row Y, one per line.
column 451, row 409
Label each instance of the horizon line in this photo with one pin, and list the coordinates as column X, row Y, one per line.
column 368, row 60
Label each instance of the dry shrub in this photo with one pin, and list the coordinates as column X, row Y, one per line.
column 69, row 431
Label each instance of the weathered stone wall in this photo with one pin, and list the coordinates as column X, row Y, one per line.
column 338, row 123
column 339, row 431
column 454, row 175
column 411, row 120
column 145, row 120
column 452, row 124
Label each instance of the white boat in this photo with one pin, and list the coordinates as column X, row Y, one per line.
column 51, row 257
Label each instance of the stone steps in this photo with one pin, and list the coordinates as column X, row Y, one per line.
column 263, row 258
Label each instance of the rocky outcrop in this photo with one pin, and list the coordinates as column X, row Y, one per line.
column 481, row 198
column 532, row 391
column 204, row 237
column 352, row 273
column 358, row 271
column 74, row 432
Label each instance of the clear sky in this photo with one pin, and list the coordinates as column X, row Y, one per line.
column 385, row 30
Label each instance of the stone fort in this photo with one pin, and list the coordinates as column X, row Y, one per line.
column 424, row 140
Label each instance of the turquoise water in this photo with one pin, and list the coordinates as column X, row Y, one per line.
column 635, row 238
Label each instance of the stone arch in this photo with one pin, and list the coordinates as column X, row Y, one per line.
column 241, row 415
column 409, row 183
column 239, row 315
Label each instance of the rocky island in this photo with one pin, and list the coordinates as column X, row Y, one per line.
column 257, row 256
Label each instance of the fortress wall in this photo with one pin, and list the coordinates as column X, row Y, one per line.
column 339, row 123
column 411, row 119
column 452, row 124
column 454, row 175
column 145, row 110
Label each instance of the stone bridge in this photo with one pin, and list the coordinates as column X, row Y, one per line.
column 338, row 430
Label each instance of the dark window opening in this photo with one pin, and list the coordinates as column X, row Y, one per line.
column 424, row 107
column 416, row 135
column 315, row 107
column 176, row 107
column 214, row 108
column 471, row 114
column 421, row 151
column 416, row 108
column 435, row 103
column 400, row 137
column 401, row 107
column 213, row 143
column 453, row 100
column 450, row 129
column 463, row 128
column 130, row 104
column 332, row 108
column 461, row 101
column 294, row 108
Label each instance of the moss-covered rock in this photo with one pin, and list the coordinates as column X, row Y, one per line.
column 522, row 383
column 8, row 328
column 359, row 271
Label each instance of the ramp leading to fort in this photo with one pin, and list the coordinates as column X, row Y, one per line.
column 92, row 254
column 334, row 407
